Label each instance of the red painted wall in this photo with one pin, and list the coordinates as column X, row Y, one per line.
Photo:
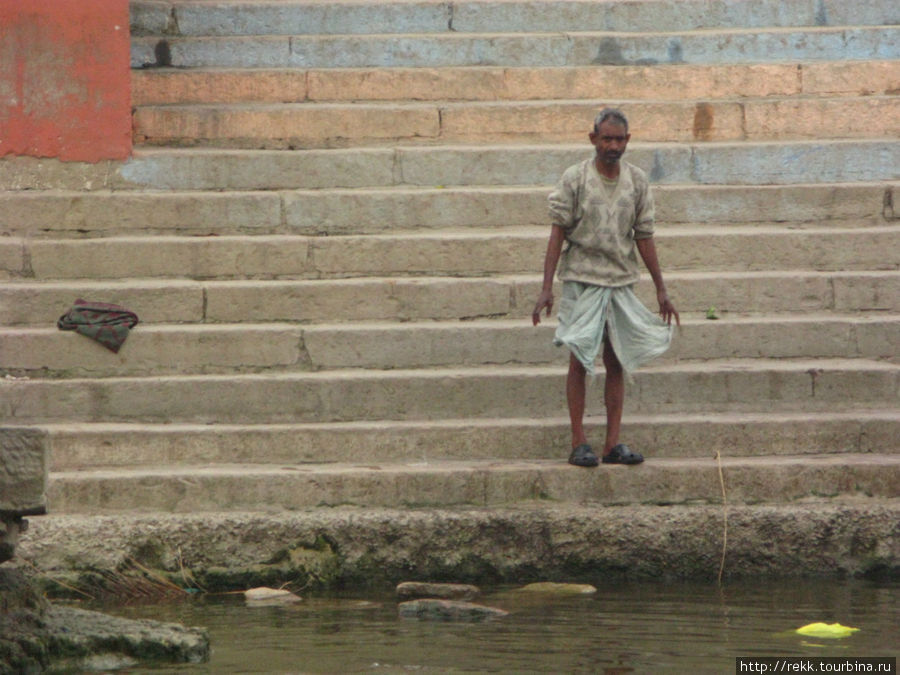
column 65, row 79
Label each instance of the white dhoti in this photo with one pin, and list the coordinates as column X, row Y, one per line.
column 586, row 312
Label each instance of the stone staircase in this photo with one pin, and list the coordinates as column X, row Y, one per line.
column 333, row 228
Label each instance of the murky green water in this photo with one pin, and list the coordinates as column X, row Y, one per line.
column 624, row 628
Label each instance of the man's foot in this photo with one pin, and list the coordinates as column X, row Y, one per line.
column 622, row 454
column 583, row 455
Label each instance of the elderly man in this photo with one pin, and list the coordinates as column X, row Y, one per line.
column 602, row 210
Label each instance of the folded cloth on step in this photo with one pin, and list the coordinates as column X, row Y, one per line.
column 587, row 312
column 107, row 324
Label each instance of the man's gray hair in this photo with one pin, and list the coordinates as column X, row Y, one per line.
column 608, row 114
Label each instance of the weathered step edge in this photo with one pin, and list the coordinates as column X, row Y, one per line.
column 454, row 253
column 447, row 484
column 753, row 385
column 338, row 125
column 345, row 547
column 168, row 349
column 488, row 83
column 79, row 445
column 540, row 49
column 767, row 166
column 440, row 298
column 179, row 18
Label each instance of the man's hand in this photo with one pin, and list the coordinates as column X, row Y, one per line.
column 667, row 309
column 545, row 299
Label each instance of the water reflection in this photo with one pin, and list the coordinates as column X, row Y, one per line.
column 624, row 628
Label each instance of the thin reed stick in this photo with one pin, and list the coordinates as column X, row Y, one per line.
column 724, row 517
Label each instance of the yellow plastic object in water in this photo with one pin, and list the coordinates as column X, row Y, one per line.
column 826, row 630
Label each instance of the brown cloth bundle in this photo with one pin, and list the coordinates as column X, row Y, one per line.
column 107, row 324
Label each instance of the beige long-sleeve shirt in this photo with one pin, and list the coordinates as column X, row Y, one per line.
column 601, row 229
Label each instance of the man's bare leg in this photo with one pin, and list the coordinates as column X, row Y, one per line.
column 575, row 397
column 613, row 396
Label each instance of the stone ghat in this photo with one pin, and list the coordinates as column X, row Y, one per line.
column 344, row 547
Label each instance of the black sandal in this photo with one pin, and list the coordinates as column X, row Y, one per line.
column 583, row 455
column 622, row 454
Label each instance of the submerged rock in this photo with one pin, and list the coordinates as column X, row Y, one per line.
column 35, row 635
column 270, row 597
column 559, row 588
column 448, row 610
column 79, row 636
column 415, row 589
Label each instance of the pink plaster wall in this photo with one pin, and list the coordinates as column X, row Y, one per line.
column 65, row 79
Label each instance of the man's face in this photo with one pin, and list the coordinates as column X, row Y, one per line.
column 610, row 140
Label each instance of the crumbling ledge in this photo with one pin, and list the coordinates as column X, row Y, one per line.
column 356, row 548
column 35, row 635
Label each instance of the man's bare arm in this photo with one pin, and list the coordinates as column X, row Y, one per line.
column 554, row 249
column 647, row 248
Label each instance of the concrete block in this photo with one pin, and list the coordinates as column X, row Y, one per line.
column 424, row 51
column 241, row 52
column 860, row 203
column 12, row 258
column 37, row 213
column 674, row 82
column 256, row 18
column 735, row 46
column 356, row 299
column 862, row 117
column 649, row 16
column 255, row 170
column 165, row 256
column 875, row 12
column 155, row 350
column 150, row 17
column 874, row 342
column 568, row 122
column 789, row 163
column 34, row 304
column 284, row 126
column 33, row 173
column 24, row 463
column 372, row 211
column 737, row 249
column 159, row 87
column 507, row 251
column 872, row 291
column 853, row 78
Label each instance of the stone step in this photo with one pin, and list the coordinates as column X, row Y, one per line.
column 251, row 348
column 323, row 125
column 754, row 385
column 472, row 252
column 406, row 299
column 167, row 17
column 374, row 299
column 182, row 170
column 360, row 549
column 445, row 483
column 78, row 446
column 53, row 213
column 517, row 49
column 160, row 86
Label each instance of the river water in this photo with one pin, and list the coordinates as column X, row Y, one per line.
column 623, row 628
